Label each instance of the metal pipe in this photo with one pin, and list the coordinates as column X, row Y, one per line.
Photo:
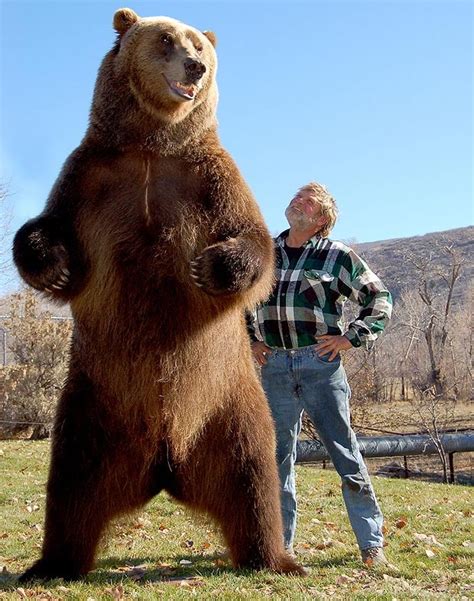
column 391, row 446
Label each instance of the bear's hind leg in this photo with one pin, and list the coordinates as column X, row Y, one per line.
column 232, row 475
column 92, row 478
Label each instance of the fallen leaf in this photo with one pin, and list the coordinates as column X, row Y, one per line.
column 401, row 523
column 185, row 562
column 428, row 539
column 330, row 525
column 116, row 592
column 344, row 579
column 452, row 559
column 185, row 581
column 430, row 553
column 324, row 545
column 133, row 572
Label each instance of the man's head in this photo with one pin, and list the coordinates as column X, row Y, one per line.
column 312, row 208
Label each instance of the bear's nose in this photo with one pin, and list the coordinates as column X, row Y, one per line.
column 194, row 69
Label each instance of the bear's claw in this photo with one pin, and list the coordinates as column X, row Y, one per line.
column 218, row 269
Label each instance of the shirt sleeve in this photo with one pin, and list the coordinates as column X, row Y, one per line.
column 360, row 284
column 250, row 319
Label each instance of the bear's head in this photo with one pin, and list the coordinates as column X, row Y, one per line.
column 170, row 66
column 158, row 83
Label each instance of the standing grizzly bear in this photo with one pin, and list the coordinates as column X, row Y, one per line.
column 155, row 240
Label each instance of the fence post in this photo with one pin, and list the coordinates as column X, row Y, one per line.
column 405, row 465
column 451, row 468
column 4, row 337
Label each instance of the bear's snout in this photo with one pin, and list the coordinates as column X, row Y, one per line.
column 194, row 69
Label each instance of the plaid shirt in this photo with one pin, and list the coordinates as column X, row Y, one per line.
column 309, row 295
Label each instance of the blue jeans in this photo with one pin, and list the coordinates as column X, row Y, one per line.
column 300, row 379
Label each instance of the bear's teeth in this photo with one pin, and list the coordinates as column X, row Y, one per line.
column 182, row 89
column 187, row 92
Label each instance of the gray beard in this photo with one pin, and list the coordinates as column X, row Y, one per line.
column 299, row 221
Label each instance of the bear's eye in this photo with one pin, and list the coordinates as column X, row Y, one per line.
column 166, row 39
column 198, row 49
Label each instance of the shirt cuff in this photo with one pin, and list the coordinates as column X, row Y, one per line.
column 353, row 337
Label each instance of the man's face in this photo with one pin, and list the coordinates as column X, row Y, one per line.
column 304, row 213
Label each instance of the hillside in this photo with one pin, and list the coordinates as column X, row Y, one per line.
column 386, row 257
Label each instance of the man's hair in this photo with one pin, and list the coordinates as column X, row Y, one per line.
column 326, row 203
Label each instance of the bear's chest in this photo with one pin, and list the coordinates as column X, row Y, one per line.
column 148, row 213
column 162, row 191
column 139, row 195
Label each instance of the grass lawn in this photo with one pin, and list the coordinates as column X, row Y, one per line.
column 167, row 552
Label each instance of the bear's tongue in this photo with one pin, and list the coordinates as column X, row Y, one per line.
column 187, row 92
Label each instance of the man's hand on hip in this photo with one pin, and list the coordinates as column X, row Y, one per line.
column 333, row 345
column 260, row 351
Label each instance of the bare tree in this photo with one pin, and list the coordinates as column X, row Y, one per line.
column 5, row 225
column 426, row 319
column 30, row 385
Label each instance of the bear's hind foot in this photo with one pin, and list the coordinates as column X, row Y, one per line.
column 287, row 565
column 283, row 564
column 47, row 570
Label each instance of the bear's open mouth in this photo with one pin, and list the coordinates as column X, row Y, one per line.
column 187, row 92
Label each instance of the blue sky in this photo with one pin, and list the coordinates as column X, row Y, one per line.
column 371, row 98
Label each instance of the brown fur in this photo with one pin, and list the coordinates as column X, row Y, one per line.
column 161, row 392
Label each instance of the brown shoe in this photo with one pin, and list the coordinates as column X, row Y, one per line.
column 374, row 556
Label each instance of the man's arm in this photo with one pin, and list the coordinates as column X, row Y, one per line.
column 362, row 286
column 259, row 349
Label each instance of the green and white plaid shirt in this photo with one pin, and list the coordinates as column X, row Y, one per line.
column 309, row 295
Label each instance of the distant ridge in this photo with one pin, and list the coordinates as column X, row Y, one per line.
column 386, row 259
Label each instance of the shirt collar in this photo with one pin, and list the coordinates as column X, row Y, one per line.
column 313, row 242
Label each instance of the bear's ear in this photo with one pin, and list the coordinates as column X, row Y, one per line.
column 124, row 18
column 211, row 36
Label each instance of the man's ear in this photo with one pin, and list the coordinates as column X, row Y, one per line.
column 211, row 36
column 322, row 221
column 124, row 18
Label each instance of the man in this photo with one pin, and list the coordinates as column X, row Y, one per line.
column 297, row 338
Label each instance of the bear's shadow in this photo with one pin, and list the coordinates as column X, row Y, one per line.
column 106, row 570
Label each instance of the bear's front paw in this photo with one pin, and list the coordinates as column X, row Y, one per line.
column 53, row 276
column 42, row 260
column 222, row 269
